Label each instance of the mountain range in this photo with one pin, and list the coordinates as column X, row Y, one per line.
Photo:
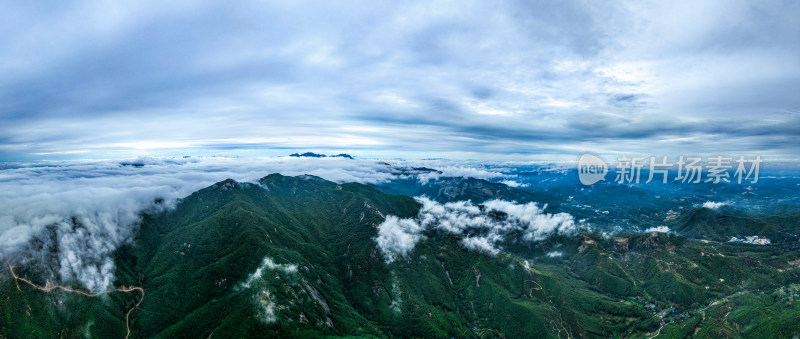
column 298, row 257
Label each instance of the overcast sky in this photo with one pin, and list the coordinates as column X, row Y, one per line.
column 457, row 79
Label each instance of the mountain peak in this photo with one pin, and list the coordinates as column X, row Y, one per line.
column 318, row 155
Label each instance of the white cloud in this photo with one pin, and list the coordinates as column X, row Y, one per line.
column 540, row 224
column 512, row 183
column 480, row 244
column 713, row 205
column 483, row 228
column 268, row 264
column 554, row 254
column 458, row 172
column 396, row 237
column 659, row 229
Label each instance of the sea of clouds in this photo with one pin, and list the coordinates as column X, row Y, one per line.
column 71, row 216
column 481, row 230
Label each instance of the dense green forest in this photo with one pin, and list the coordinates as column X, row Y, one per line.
column 297, row 257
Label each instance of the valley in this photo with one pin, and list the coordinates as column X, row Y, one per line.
column 298, row 257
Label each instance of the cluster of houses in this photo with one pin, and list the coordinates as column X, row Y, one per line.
column 790, row 294
column 753, row 239
column 671, row 314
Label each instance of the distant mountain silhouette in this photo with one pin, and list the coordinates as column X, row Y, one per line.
column 317, row 155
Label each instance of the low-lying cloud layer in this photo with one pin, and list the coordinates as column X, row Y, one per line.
column 268, row 265
column 460, row 171
column 484, row 227
column 659, row 229
column 70, row 216
column 713, row 205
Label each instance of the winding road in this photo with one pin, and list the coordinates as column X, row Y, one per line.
column 48, row 287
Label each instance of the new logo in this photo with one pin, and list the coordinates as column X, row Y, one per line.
column 591, row 169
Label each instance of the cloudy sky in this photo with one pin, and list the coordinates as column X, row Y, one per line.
column 528, row 79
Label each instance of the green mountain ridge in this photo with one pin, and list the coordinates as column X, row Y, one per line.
column 722, row 224
column 296, row 257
